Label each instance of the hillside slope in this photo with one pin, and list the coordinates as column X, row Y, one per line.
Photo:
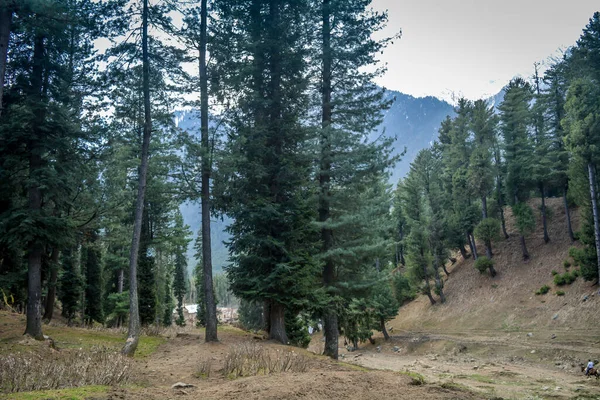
column 479, row 303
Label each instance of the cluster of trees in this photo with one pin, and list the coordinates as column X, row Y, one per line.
column 542, row 141
column 93, row 169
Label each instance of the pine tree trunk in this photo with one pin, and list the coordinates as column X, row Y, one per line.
column 211, row 308
column 463, row 252
column 34, row 248
column 133, row 335
column 544, row 222
column 6, row 15
column 492, row 270
column 438, row 284
column 330, row 318
column 120, row 281
column 472, row 245
column 386, row 336
column 524, row 248
column 277, row 322
column 484, row 212
column 503, row 223
column 594, row 198
column 266, row 315
column 488, row 249
column 445, row 270
column 568, row 215
column 51, row 296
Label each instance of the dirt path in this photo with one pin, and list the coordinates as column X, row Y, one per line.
column 178, row 361
column 517, row 366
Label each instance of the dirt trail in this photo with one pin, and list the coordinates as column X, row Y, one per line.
column 179, row 358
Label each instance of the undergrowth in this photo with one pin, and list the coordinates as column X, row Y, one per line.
column 251, row 359
column 27, row 372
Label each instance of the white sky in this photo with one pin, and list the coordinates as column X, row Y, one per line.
column 474, row 47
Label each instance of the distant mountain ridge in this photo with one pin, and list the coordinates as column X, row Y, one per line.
column 413, row 121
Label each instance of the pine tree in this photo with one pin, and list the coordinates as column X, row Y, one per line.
column 582, row 122
column 179, row 288
column 516, row 118
column 93, row 279
column 70, row 285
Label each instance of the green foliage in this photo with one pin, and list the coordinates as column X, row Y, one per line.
column 251, row 315
column 524, row 218
column 567, row 263
column 296, row 329
column 565, row 279
column 560, row 293
column 92, row 255
column 146, row 288
column 488, row 230
column 543, row 290
column 554, row 272
column 403, row 289
column 70, row 285
column 483, row 264
column 117, row 307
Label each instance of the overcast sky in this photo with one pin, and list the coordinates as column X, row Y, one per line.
column 474, row 47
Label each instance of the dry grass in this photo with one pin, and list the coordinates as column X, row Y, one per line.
column 251, row 359
column 27, row 372
column 480, row 304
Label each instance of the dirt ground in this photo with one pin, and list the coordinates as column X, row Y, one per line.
column 179, row 359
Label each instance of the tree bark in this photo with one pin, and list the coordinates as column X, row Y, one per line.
column 51, row 296
column 544, row 222
column 472, row 245
column 594, row 198
column 330, row 317
column 35, row 249
column 446, row 270
column 503, row 222
column 492, row 270
column 211, row 308
column 438, row 284
column 6, row 15
column 484, row 212
column 524, row 249
column 133, row 335
column 386, row 336
column 568, row 215
column 463, row 252
column 277, row 318
column 488, row 249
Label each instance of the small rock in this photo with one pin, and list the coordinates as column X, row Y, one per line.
column 532, row 351
column 553, row 336
column 182, row 385
column 379, row 349
column 529, row 334
column 545, row 388
column 555, row 316
column 476, row 367
column 557, row 388
column 396, row 349
column 585, row 298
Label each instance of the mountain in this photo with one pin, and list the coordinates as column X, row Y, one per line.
column 413, row 121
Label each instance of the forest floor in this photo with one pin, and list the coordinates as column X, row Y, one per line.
column 492, row 339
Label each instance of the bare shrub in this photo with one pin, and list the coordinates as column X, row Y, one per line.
column 204, row 369
column 27, row 372
column 251, row 359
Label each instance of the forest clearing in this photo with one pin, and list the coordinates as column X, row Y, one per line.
column 520, row 346
column 217, row 199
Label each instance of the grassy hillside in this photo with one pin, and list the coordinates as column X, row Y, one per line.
column 508, row 302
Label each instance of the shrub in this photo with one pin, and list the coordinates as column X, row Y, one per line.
column 560, row 293
column 554, row 273
column 488, row 229
column 566, row 279
column 28, row 372
column 567, row 264
column 483, row 264
column 251, row 359
column 543, row 290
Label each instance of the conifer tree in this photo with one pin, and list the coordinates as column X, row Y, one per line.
column 70, row 285
column 516, row 118
column 93, row 279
